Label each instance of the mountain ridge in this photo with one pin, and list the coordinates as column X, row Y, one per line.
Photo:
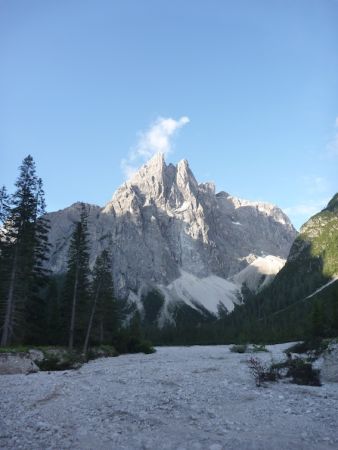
column 161, row 223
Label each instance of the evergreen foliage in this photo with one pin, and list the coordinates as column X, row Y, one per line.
column 75, row 296
column 24, row 248
column 102, row 322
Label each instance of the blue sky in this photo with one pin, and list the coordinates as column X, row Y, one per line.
column 255, row 81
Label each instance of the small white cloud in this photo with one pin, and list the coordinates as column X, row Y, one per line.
column 157, row 139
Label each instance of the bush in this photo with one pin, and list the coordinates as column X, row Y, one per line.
column 60, row 359
column 241, row 348
column 316, row 346
column 300, row 371
column 125, row 343
column 103, row 351
column 146, row 347
column 303, row 373
column 256, row 348
column 262, row 372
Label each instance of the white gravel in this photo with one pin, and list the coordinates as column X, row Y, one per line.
column 179, row 398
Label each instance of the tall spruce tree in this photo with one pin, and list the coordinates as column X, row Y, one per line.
column 4, row 214
column 35, row 306
column 24, row 249
column 4, row 207
column 102, row 321
column 76, row 289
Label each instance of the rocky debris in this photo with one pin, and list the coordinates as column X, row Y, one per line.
column 14, row 363
column 259, row 273
column 162, row 222
column 180, row 397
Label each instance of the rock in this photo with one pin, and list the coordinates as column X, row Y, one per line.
column 16, row 363
column 36, row 355
column 162, row 223
column 329, row 368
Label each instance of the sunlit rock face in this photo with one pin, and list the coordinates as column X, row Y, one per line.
column 162, row 223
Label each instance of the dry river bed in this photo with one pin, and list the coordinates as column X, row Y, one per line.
column 178, row 398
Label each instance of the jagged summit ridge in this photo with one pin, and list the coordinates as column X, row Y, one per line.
column 158, row 182
column 162, row 223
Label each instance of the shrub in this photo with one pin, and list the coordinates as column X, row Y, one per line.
column 125, row 343
column 241, row 348
column 256, row 348
column 316, row 346
column 60, row 359
column 103, row 351
column 303, row 373
column 262, row 372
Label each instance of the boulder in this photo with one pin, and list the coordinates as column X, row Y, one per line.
column 329, row 368
column 16, row 363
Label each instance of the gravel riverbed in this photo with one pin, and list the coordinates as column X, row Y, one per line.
column 178, row 398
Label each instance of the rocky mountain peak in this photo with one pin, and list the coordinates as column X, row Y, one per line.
column 166, row 231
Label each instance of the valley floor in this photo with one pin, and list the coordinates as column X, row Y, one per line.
column 178, row 398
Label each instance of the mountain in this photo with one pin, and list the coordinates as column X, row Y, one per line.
column 167, row 232
column 313, row 259
column 307, row 283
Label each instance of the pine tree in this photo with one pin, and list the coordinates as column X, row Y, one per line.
column 4, row 214
column 35, row 306
column 54, row 325
column 4, row 207
column 76, row 290
column 103, row 317
column 23, row 252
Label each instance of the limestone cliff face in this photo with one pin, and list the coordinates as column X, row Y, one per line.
column 162, row 223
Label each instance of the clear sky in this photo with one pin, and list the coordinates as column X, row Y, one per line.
column 251, row 86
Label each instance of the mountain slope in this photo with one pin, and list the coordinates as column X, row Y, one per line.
column 161, row 224
column 313, row 259
column 308, row 283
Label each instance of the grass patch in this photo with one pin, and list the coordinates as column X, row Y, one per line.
column 18, row 349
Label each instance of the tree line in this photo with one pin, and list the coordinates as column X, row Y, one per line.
column 35, row 306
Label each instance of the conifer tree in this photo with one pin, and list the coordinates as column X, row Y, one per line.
column 54, row 325
column 102, row 319
column 76, row 290
column 23, row 252
column 4, row 207
column 4, row 214
column 35, row 306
